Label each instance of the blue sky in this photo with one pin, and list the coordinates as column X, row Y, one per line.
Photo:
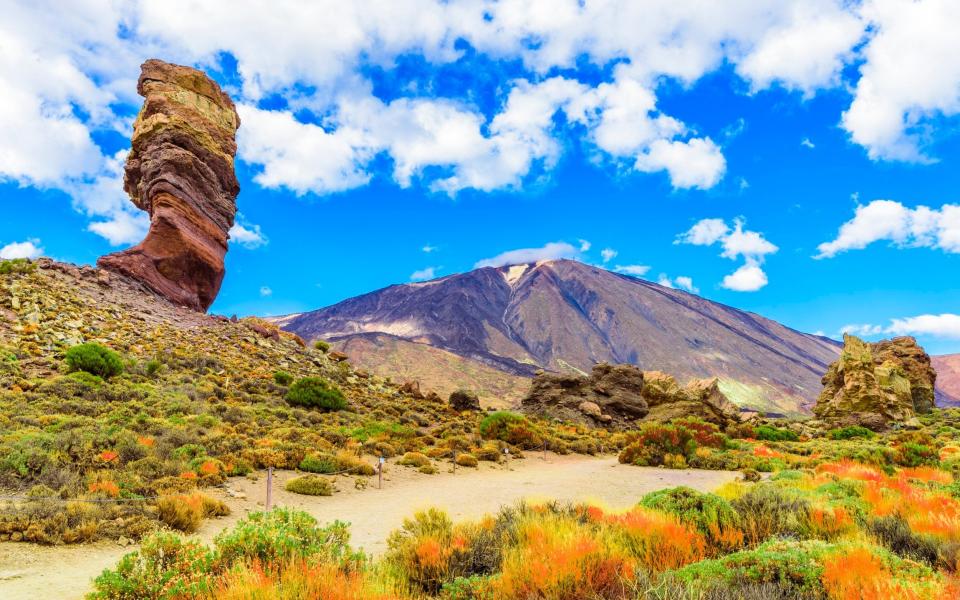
column 772, row 156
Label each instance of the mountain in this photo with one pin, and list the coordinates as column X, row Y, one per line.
column 566, row 316
column 948, row 379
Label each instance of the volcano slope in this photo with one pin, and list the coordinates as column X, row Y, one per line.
column 566, row 316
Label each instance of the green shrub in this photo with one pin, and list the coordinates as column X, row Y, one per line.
column 467, row 460
column 94, row 359
column 310, row 485
column 16, row 266
column 315, row 392
column 153, row 366
column 282, row 378
column 654, row 442
column 768, row 433
column 511, row 428
column 279, row 535
column 166, row 566
column 710, row 514
column 768, row 510
column 849, row 433
column 325, row 464
column 414, row 459
column 322, row 346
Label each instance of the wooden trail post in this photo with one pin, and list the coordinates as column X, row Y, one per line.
column 544, row 450
column 380, row 472
column 269, row 488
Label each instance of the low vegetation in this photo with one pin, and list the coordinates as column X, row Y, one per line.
column 837, row 531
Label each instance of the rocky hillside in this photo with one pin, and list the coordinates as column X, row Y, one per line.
column 565, row 316
column 948, row 379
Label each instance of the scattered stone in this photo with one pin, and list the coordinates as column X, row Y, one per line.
column 590, row 409
column 337, row 356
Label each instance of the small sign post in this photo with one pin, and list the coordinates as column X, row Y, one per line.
column 380, row 472
column 269, row 488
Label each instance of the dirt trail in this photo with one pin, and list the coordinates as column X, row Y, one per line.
column 29, row 571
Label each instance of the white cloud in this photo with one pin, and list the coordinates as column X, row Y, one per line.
column 424, row 274
column 247, row 234
column 428, row 248
column 806, row 143
column 748, row 278
column 944, row 325
column 749, row 244
column 888, row 220
column 735, row 243
column 910, row 76
column 28, row 249
column 265, row 292
column 608, row 254
column 551, row 251
column 585, row 245
column 806, row 49
column 683, row 282
column 704, row 232
column 697, row 163
column 632, row 270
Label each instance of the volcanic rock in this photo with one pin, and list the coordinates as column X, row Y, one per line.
column 461, row 400
column 875, row 385
column 180, row 170
column 623, row 396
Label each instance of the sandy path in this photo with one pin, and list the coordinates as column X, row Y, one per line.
column 30, row 572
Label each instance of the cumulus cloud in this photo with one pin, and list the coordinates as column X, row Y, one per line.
column 424, row 274
column 27, row 249
column 69, row 76
column 946, row 325
column 608, row 254
column 551, row 251
column 265, row 292
column 681, row 282
column 806, row 143
column 585, row 245
column 735, row 242
column 748, row 278
column 632, row 270
column 247, row 234
column 428, row 248
column 909, row 78
column 891, row 221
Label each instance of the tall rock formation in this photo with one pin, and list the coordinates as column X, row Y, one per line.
column 180, row 170
column 621, row 396
column 875, row 385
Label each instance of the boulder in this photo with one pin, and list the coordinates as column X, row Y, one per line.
column 623, row 396
column 876, row 385
column 461, row 400
column 181, row 171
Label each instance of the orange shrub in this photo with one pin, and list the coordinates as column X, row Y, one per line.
column 209, row 468
column 107, row 487
column 149, row 442
column 298, row 580
column 859, row 574
column 658, row 540
column 830, row 522
column 560, row 560
column 108, row 455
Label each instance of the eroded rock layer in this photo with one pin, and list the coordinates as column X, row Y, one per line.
column 623, row 396
column 180, row 170
column 875, row 385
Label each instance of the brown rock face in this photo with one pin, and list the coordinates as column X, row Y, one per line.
column 622, row 396
column 877, row 384
column 180, row 170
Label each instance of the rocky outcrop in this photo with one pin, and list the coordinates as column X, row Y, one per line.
column 622, row 396
column 180, row 170
column 876, row 385
column 463, row 400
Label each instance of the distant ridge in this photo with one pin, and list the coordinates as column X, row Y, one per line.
column 564, row 315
